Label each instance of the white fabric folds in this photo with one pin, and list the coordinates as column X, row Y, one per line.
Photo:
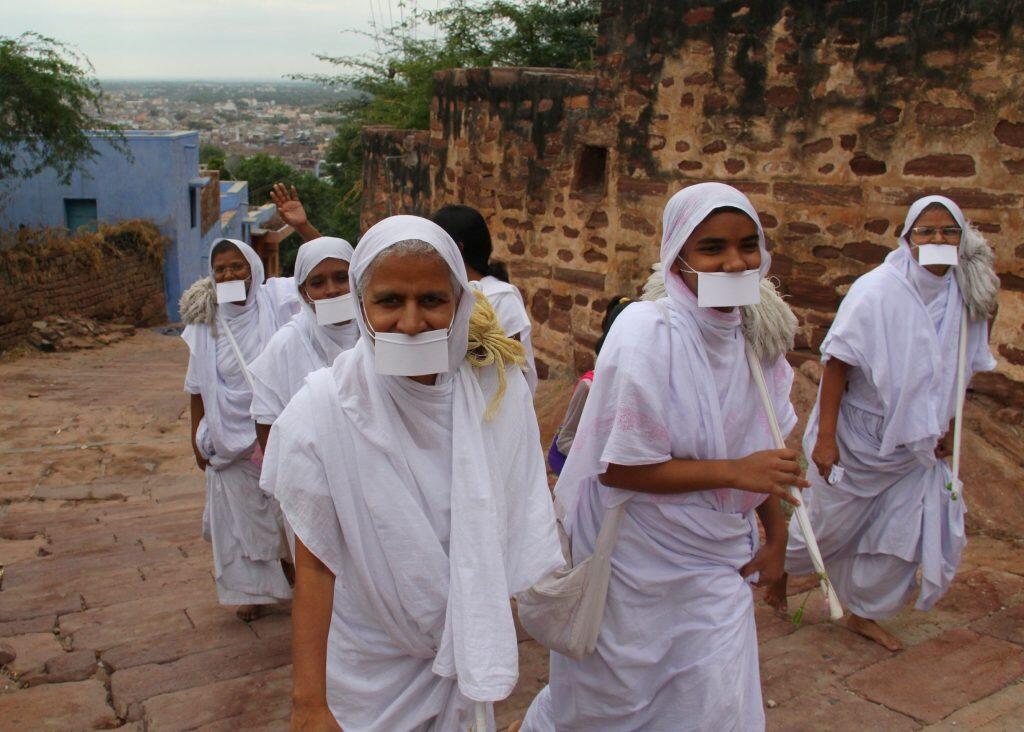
column 430, row 518
column 302, row 345
column 508, row 304
column 891, row 512
column 243, row 524
column 678, row 646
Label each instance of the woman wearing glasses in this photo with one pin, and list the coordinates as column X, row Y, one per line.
column 882, row 501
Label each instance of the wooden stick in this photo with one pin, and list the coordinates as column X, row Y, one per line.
column 961, row 396
column 803, row 520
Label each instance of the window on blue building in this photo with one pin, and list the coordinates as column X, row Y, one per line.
column 192, row 207
column 79, row 212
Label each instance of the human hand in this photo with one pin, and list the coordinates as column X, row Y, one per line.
column 825, row 455
column 289, row 208
column 201, row 462
column 313, row 718
column 769, row 471
column 770, row 561
column 944, row 448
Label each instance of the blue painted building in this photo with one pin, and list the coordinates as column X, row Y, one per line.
column 162, row 183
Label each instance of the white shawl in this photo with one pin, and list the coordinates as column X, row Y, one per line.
column 908, row 354
column 676, row 387
column 226, row 432
column 302, row 345
column 436, row 596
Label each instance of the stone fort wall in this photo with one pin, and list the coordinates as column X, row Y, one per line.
column 831, row 116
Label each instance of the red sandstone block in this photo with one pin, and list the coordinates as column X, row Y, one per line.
column 940, row 675
column 1010, row 133
column 941, row 166
column 593, row 280
column 937, row 115
column 782, row 97
column 861, row 164
column 821, row 195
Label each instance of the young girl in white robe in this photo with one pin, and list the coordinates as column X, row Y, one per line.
column 302, row 345
column 469, row 230
column 887, row 397
column 240, row 520
column 674, row 426
column 419, row 503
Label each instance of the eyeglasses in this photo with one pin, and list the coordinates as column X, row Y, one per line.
column 947, row 233
column 235, row 268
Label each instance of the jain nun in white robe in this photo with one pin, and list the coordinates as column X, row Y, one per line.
column 429, row 515
column 678, row 646
column 892, row 513
column 241, row 521
column 302, row 345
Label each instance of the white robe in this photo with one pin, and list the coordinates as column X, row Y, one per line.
column 242, row 523
column 678, row 645
column 299, row 348
column 892, row 514
column 508, row 304
column 429, row 517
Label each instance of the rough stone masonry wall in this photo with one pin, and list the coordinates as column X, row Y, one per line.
column 831, row 116
column 113, row 274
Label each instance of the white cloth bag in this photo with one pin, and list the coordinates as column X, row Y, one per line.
column 564, row 610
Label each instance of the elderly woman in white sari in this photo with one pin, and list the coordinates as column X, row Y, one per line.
column 313, row 338
column 241, row 521
column 882, row 504
column 675, row 428
column 412, row 475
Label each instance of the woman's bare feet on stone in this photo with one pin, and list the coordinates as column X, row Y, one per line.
column 248, row 613
column 873, row 631
column 775, row 594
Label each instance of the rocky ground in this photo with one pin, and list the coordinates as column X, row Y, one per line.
column 108, row 615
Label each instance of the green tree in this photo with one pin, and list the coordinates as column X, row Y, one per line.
column 48, row 103
column 395, row 86
column 318, row 197
column 212, row 157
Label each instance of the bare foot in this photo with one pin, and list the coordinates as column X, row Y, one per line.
column 872, row 630
column 248, row 613
column 289, row 572
column 775, row 594
column 514, row 727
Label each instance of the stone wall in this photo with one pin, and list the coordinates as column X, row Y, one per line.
column 832, row 117
column 113, row 274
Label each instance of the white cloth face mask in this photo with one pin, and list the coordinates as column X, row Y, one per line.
column 233, row 291
column 398, row 354
column 335, row 310
column 938, row 254
column 726, row 289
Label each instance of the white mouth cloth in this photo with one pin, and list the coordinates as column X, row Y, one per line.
column 938, row 254
column 233, row 291
column 335, row 310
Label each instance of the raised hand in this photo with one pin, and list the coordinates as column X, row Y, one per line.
column 289, row 208
column 769, row 471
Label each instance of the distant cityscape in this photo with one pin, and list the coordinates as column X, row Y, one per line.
column 292, row 120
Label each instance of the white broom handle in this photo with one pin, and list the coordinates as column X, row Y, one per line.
column 802, row 519
column 238, row 353
column 961, row 395
column 481, row 716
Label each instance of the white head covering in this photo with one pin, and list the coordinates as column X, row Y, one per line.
column 314, row 251
column 672, row 379
column 918, row 207
column 227, row 432
column 394, row 229
column 450, row 607
column 684, row 212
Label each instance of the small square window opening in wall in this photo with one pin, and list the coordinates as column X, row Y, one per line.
column 591, row 171
column 80, row 212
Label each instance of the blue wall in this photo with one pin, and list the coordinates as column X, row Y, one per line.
column 154, row 186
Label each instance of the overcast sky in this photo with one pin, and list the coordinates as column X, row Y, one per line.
column 223, row 39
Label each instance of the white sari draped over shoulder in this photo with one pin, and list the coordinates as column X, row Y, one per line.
column 429, row 516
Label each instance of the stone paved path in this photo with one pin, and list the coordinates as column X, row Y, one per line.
column 108, row 607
